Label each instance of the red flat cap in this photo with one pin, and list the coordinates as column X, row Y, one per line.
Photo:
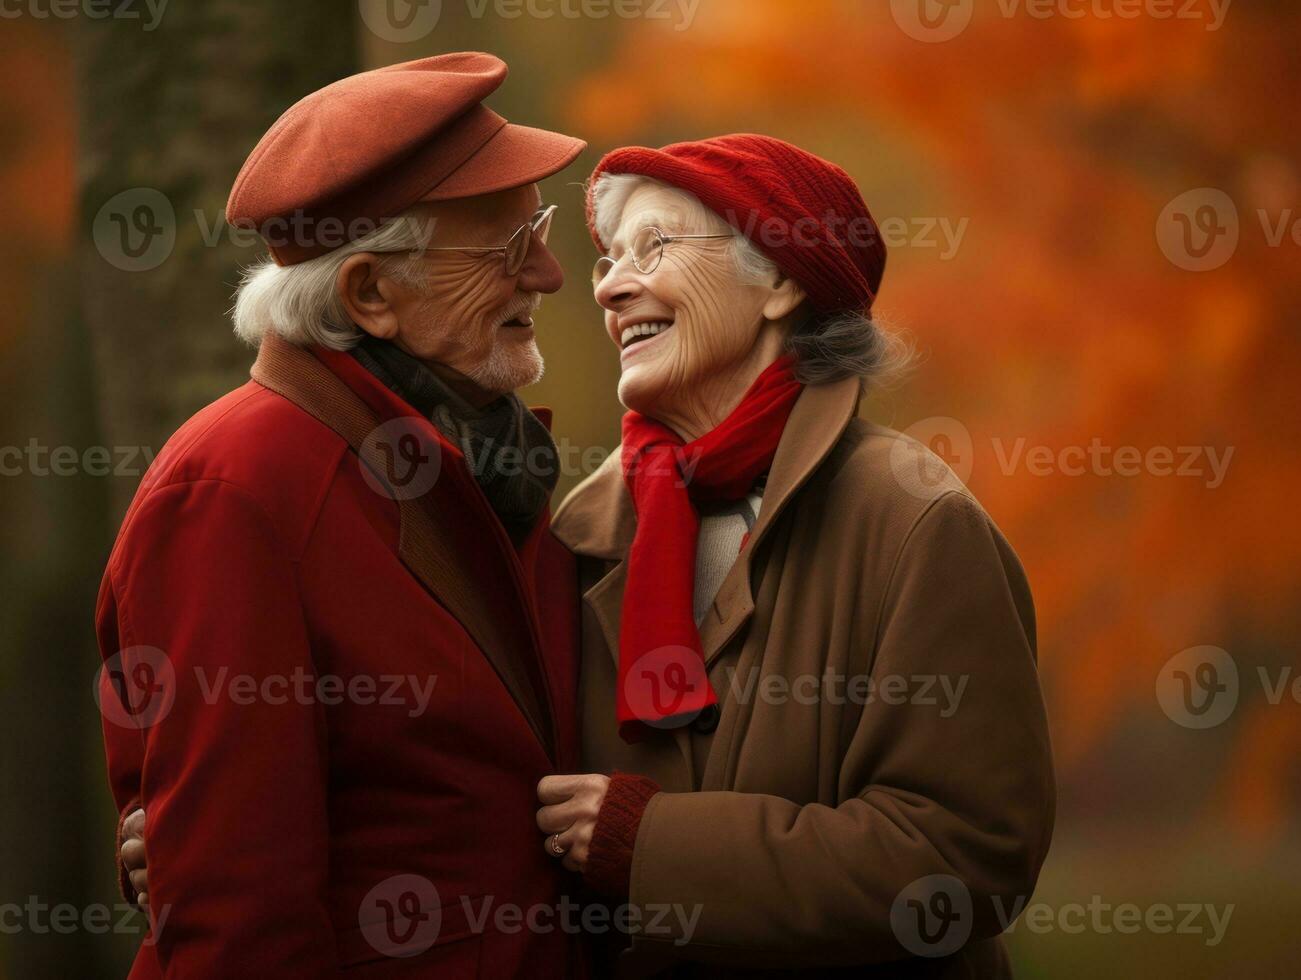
column 360, row 151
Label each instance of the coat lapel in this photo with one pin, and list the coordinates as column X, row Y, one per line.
column 431, row 548
column 815, row 426
column 597, row 520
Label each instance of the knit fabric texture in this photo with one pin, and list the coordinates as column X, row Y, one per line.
column 803, row 212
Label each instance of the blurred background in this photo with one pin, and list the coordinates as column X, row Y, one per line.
column 1091, row 209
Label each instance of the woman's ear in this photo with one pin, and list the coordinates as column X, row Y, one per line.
column 785, row 297
column 367, row 295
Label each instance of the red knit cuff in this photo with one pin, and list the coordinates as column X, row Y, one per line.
column 609, row 862
column 123, row 878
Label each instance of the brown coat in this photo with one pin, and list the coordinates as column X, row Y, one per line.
column 813, row 815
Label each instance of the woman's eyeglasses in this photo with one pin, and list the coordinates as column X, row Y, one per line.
column 646, row 252
column 516, row 249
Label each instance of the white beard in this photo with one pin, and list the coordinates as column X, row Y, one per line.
column 507, row 368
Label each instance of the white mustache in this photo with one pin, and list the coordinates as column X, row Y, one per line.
column 519, row 309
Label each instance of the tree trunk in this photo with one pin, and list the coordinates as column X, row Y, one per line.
column 167, row 114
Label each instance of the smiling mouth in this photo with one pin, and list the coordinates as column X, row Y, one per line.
column 523, row 320
column 643, row 331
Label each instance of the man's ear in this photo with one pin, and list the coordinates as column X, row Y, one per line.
column 785, row 298
column 367, row 295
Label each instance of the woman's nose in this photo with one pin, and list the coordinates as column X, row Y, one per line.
column 618, row 287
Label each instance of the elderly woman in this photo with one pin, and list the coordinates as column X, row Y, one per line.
column 808, row 654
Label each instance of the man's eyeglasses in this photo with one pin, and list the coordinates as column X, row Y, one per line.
column 516, row 249
column 647, row 250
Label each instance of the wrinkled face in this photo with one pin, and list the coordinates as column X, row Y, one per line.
column 464, row 311
column 687, row 324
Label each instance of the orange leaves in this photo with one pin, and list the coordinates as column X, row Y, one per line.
column 1060, row 321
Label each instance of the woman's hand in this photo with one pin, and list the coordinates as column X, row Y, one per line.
column 568, row 815
column 132, row 855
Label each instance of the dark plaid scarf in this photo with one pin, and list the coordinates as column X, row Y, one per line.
column 509, row 451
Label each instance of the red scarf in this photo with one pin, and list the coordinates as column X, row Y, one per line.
column 662, row 679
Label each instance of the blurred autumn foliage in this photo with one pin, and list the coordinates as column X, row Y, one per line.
column 37, row 164
column 1059, row 320
column 1023, row 167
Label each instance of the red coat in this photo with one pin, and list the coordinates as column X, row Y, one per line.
column 335, row 706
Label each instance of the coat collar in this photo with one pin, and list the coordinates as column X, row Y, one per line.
column 597, row 519
column 448, row 557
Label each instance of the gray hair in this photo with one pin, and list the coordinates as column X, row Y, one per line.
column 827, row 347
column 301, row 302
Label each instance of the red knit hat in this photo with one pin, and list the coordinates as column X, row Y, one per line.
column 803, row 212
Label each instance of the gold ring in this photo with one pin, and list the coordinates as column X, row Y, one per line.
column 556, row 849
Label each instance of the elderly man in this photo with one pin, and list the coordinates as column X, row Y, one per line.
column 336, row 627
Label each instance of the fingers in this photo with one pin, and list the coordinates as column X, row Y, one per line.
column 569, row 815
column 557, row 789
column 133, row 854
column 562, row 816
column 576, row 846
column 134, row 825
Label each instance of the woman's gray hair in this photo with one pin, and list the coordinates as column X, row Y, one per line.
column 301, row 302
column 827, row 347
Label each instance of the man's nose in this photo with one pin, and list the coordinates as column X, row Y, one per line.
column 541, row 272
column 620, row 286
